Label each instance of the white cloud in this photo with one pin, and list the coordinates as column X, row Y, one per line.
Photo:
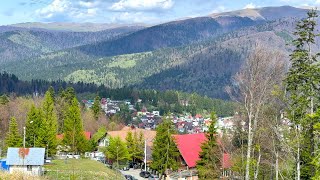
column 68, row 10
column 250, row 6
column 141, row 5
column 219, row 9
column 56, row 6
column 89, row 4
column 135, row 17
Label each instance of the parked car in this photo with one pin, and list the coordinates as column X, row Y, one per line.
column 144, row 174
column 134, row 165
column 153, row 177
column 125, row 168
column 70, row 156
column 129, row 177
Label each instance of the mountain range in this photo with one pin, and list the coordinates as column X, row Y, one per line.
column 193, row 55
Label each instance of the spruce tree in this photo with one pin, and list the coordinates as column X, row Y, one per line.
column 302, row 85
column 165, row 153
column 96, row 107
column 131, row 145
column 209, row 164
column 33, row 125
column 50, row 123
column 51, row 92
column 73, row 128
column 13, row 138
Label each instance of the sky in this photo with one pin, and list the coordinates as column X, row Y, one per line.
column 126, row 11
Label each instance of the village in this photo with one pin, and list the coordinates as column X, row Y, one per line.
column 191, row 134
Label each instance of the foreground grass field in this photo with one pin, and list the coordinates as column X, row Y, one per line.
column 18, row 176
column 80, row 169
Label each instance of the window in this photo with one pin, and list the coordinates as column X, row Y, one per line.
column 29, row 168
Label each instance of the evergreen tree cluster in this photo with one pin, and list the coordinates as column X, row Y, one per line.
column 209, row 164
column 165, row 153
column 303, row 82
column 42, row 124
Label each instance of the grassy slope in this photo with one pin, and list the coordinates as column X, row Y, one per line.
column 16, row 176
column 81, row 169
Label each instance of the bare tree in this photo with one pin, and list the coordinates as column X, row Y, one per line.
column 261, row 71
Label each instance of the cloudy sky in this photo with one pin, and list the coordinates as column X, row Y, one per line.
column 125, row 11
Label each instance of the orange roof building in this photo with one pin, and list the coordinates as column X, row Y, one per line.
column 149, row 135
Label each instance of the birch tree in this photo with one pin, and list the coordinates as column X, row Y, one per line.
column 252, row 89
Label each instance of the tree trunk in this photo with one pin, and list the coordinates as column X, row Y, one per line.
column 256, row 173
column 298, row 155
column 247, row 176
column 277, row 165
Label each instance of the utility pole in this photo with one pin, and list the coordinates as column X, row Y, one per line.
column 145, row 155
column 47, row 149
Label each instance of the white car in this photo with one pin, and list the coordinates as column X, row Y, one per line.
column 71, row 156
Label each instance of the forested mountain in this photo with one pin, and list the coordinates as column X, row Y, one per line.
column 74, row 27
column 266, row 13
column 22, row 43
column 193, row 55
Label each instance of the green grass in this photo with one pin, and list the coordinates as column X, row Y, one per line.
column 80, row 169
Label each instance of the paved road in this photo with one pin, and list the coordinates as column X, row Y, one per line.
column 134, row 173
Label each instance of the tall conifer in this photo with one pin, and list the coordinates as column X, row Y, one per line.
column 13, row 138
column 302, row 84
column 73, row 128
column 165, row 153
column 209, row 164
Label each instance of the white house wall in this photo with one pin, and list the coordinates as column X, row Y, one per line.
column 36, row 170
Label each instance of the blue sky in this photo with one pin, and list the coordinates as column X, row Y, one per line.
column 126, row 11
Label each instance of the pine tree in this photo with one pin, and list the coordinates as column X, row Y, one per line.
column 33, row 125
column 13, row 138
column 209, row 164
column 131, row 145
column 96, row 107
column 50, row 123
column 139, row 155
column 73, row 128
column 302, row 83
column 165, row 152
column 117, row 150
column 51, row 92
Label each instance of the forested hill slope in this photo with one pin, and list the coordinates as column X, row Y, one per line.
column 17, row 44
column 204, row 67
column 171, row 34
column 193, row 55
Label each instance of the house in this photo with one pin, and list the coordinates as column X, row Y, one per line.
column 87, row 135
column 103, row 141
column 26, row 160
column 189, row 146
column 148, row 135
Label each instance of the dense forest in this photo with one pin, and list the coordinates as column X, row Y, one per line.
column 193, row 55
column 165, row 101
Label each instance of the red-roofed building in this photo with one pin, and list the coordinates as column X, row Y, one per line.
column 87, row 135
column 189, row 146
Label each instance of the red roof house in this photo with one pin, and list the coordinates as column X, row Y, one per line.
column 87, row 135
column 189, row 146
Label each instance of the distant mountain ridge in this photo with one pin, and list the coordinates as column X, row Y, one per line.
column 193, row 55
column 266, row 13
column 74, row 27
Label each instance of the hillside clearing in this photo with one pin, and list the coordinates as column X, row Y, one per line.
column 80, row 169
